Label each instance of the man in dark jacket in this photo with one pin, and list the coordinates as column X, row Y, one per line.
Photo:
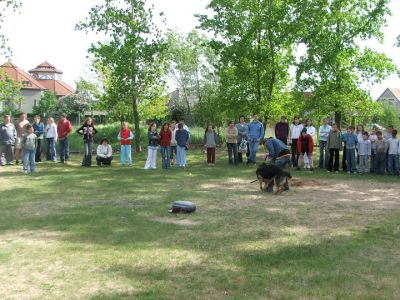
column 282, row 130
column 8, row 136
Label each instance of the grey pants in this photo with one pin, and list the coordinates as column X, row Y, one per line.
column 363, row 166
column 8, row 151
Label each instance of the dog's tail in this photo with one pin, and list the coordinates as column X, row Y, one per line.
column 287, row 174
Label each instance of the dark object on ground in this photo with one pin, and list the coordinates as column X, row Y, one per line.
column 270, row 175
column 182, row 206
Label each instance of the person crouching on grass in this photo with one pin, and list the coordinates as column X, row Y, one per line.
column 182, row 139
column 125, row 136
column 28, row 144
column 104, row 153
column 152, row 147
column 305, row 146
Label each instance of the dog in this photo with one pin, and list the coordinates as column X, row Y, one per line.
column 270, row 174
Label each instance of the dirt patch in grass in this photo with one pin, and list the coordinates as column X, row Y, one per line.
column 183, row 222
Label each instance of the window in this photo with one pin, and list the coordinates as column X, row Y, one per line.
column 26, row 83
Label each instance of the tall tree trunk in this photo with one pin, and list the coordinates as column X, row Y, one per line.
column 338, row 118
column 137, row 125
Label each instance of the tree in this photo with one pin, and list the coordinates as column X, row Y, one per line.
column 4, row 6
column 335, row 66
column 47, row 105
column 133, row 53
column 73, row 105
column 254, row 40
column 10, row 97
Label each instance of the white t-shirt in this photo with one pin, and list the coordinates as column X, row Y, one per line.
column 312, row 131
column 295, row 131
column 173, row 140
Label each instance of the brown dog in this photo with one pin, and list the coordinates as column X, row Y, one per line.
column 270, row 175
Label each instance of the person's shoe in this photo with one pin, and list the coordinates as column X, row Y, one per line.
column 26, row 172
column 298, row 169
column 311, row 168
column 328, row 171
column 17, row 162
column 336, row 172
column 99, row 164
column 348, row 173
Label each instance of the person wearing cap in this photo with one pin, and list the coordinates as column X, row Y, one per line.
column 305, row 146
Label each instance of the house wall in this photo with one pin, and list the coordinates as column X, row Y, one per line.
column 388, row 97
column 30, row 96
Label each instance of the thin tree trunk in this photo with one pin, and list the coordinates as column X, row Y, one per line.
column 137, row 125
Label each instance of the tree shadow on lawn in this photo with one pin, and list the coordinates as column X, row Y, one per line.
column 357, row 266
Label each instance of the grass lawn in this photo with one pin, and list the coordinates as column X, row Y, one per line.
column 104, row 233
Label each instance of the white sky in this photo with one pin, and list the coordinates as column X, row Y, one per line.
column 44, row 30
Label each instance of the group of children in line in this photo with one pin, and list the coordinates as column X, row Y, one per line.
column 360, row 147
column 374, row 152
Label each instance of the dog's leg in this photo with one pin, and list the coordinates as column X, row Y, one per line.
column 260, row 180
column 278, row 184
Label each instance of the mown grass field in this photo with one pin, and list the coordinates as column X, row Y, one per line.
column 104, row 233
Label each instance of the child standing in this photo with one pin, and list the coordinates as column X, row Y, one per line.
column 231, row 143
column 394, row 148
column 28, row 144
column 305, row 147
column 152, row 148
column 210, row 142
column 373, row 138
column 334, row 145
column 125, row 136
column 165, row 143
column 295, row 131
column 350, row 142
column 182, row 139
column 380, row 155
column 51, row 139
column 38, row 129
column 173, row 142
column 88, row 131
column 364, row 152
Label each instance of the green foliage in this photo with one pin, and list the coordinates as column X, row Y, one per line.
column 47, row 105
column 5, row 5
column 9, row 93
column 132, row 54
column 254, row 41
column 388, row 115
column 334, row 66
column 73, row 105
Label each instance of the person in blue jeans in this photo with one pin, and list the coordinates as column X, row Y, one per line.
column 255, row 132
column 350, row 141
column 182, row 139
column 28, row 144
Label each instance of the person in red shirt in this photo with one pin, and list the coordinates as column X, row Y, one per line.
column 305, row 146
column 165, row 143
column 125, row 136
column 64, row 127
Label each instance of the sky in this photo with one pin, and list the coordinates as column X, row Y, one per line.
column 44, row 30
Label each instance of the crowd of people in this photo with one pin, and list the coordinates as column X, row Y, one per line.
column 293, row 144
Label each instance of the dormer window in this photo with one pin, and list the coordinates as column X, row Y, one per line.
column 26, row 83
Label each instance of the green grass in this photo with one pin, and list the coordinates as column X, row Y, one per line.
column 104, row 233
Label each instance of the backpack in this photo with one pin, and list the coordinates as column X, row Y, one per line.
column 243, row 146
column 182, row 206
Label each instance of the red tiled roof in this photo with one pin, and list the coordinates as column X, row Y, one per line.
column 60, row 88
column 395, row 92
column 18, row 75
column 45, row 67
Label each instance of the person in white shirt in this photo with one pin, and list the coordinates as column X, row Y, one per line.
column 323, row 140
column 104, row 153
column 393, row 154
column 51, row 139
column 294, row 134
column 313, row 132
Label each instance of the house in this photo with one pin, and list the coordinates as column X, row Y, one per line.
column 42, row 78
column 391, row 96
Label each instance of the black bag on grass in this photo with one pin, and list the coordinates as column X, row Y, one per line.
column 182, row 206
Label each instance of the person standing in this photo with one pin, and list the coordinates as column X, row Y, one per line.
column 125, row 136
column 334, row 145
column 393, row 154
column 381, row 146
column 173, row 142
column 51, row 139
column 182, row 139
column 231, row 143
column 373, row 138
column 305, row 148
column 295, row 130
column 350, row 141
column 324, row 130
column 8, row 136
column 28, row 144
column 210, row 142
column 38, row 129
column 21, row 125
column 255, row 133
column 242, row 138
column 364, row 151
column 282, row 130
column 64, row 128
column 165, row 143
column 152, row 147
column 88, row 131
